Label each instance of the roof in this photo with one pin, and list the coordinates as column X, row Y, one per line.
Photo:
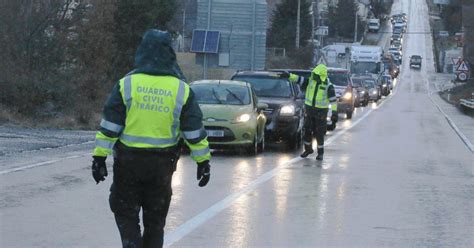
column 222, row 82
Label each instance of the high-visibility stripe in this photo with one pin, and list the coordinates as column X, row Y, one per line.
column 332, row 99
column 178, row 107
column 320, row 146
column 127, row 91
column 307, row 143
column 104, row 144
column 150, row 141
column 111, row 126
column 193, row 134
column 202, row 152
column 300, row 80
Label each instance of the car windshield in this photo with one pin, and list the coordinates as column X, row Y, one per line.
column 365, row 67
column 340, row 78
column 369, row 83
column 357, row 82
column 415, row 59
column 221, row 94
column 267, row 86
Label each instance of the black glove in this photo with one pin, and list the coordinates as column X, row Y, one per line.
column 334, row 116
column 99, row 169
column 284, row 75
column 203, row 173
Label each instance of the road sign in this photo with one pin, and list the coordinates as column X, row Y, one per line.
column 322, row 31
column 455, row 61
column 462, row 66
column 443, row 33
column 462, row 76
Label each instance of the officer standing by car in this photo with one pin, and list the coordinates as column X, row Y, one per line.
column 143, row 119
column 319, row 94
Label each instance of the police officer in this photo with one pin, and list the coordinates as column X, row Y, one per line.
column 143, row 119
column 319, row 94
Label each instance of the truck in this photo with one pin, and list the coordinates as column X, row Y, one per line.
column 373, row 25
column 366, row 60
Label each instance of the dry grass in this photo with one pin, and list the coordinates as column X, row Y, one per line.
column 194, row 72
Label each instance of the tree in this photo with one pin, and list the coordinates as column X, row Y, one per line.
column 132, row 19
column 341, row 19
column 282, row 32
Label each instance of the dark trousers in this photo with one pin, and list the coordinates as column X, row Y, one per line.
column 315, row 124
column 141, row 181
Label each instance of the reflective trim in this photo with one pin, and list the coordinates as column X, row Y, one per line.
column 202, row 152
column 307, row 143
column 150, row 141
column 178, row 107
column 320, row 146
column 300, row 80
column 332, row 99
column 127, row 91
column 111, row 126
column 193, row 134
column 104, row 144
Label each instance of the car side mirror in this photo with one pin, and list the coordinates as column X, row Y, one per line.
column 261, row 106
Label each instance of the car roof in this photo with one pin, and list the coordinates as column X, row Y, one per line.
column 222, row 82
column 416, row 56
column 256, row 73
column 335, row 69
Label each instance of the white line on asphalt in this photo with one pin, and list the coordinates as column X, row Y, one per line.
column 190, row 225
column 451, row 123
column 39, row 164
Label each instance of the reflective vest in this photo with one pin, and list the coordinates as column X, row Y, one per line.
column 153, row 110
column 322, row 99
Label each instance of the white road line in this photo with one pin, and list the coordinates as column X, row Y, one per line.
column 21, row 168
column 451, row 123
column 190, row 225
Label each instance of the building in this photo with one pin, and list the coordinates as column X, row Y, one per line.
column 243, row 30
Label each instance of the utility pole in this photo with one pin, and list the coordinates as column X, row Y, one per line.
column 298, row 25
column 355, row 30
column 184, row 26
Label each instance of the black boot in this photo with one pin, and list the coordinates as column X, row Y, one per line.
column 320, row 154
column 308, row 149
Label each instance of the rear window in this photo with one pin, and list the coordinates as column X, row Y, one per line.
column 267, row 86
column 340, row 78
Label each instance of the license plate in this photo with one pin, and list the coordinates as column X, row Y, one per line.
column 215, row 133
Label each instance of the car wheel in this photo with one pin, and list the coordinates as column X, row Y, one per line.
column 261, row 144
column 252, row 149
column 331, row 127
column 293, row 141
column 349, row 114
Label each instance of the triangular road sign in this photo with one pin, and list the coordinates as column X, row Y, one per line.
column 462, row 66
column 455, row 61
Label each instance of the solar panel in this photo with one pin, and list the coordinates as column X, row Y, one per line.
column 212, row 42
column 205, row 41
column 197, row 44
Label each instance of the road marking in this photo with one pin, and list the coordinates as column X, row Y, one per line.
column 451, row 123
column 198, row 220
column 21, row 168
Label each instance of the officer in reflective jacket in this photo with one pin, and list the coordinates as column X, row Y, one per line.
column 319, row 94
column 143, row 119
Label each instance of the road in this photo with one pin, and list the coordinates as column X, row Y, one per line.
column 396, row 175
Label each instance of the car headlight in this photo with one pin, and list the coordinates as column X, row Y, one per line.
column 347, row 96
column 362, row 91
column 243, row 118
column 385, row 85
column 287, row 110
column 374, row 91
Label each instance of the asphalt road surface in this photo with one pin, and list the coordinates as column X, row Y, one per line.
column 396, row 175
